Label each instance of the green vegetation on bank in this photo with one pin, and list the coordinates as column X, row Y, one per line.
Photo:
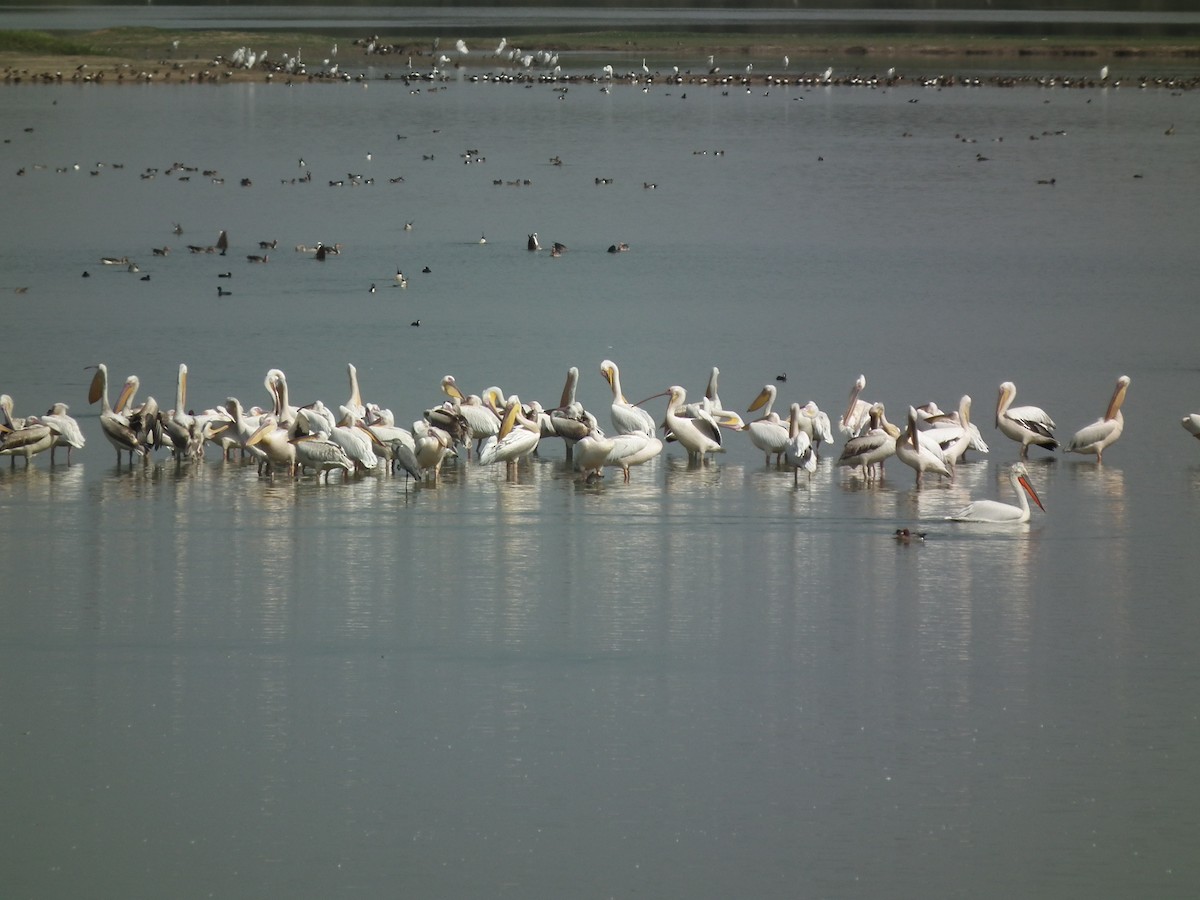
column 39, row 43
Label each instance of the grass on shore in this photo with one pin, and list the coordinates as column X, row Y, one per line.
column 40, row 43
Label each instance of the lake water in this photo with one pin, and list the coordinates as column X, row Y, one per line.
column 705, row 683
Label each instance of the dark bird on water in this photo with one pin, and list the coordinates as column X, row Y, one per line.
column 782, row 376
column 416, row 324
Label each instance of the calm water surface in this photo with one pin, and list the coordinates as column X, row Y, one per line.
column 705, row 683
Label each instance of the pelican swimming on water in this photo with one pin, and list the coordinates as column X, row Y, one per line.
column 1104, row 431
column 995, row 512
column 1024, row 424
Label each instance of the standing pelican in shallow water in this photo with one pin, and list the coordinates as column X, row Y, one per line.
column 921, row 455
column 518, row 438
column 66, row 430
column 995, row 512
column 711, row 404
column 115, row 424
column 698, row 436
column 180, row 425
column 28, row 441
column 1104, row 431
column 632, row 450
column 767, row 432
column 1024, row 424
column 626, row 417
column 798, row 450
column 874, row 446
column 482, row 422
column 854, row 420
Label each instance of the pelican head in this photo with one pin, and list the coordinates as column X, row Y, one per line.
column 859, row 384
column 612, row 375
column 569, row 388
column 128, row 390
column 765, row 396
column 1118, row 397
column 1020, row 475
column 451, row 388
column 95, row 390
column 1004, row 400
column 512, row 411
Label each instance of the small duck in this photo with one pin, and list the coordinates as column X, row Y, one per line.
column 904, row 536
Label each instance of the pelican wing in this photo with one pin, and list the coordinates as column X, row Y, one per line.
column 29, row 436
column 1034, row 419
column 629, row 419
column 1100, row 433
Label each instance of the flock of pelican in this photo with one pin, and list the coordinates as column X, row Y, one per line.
column 493, row 427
